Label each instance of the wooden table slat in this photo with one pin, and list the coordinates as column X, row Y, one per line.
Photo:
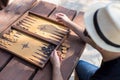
column 44, row 74
column 73, row 56
column 75, row 50
column 4, row 58
column 60, row 9
column 43, row 9
column 79, row 19
column 17, row 69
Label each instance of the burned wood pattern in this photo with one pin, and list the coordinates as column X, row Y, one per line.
column 31, row 49
column 43, row 28
column 33, row 38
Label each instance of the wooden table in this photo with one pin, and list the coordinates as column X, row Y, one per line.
column 15, row 68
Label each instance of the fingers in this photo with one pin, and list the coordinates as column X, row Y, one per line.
column 55, row 59
column 60, row 17
column 59, row 54
column 55, row 56
column 59, row 14
column 53, row 53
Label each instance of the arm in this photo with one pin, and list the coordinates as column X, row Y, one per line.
column 56, row 66
column 77, row 29
column 74, row 27
column 107, row 55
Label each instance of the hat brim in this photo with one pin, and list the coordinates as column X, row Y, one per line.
column 88, row 18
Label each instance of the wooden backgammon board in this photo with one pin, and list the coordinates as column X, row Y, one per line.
column 33, row 38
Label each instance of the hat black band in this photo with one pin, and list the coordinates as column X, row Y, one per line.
column 100, row 33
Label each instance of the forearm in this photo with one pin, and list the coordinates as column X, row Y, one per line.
column 57, row 73
column 77, row 29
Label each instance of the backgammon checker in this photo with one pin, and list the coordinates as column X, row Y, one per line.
column 33, row 38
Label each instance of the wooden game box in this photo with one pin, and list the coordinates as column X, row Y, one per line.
column 33, row 38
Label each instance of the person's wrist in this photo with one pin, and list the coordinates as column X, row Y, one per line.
column 69, row 21
column 56, row 66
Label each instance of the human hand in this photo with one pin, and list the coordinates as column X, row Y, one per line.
column 62, row 18
column 55, row 59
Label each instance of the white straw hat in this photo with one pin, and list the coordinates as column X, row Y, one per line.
column 103, row 25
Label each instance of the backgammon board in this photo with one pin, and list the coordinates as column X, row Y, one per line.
column 33, row 38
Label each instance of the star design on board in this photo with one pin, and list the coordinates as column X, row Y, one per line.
column 25, row 45
column 42, row 27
